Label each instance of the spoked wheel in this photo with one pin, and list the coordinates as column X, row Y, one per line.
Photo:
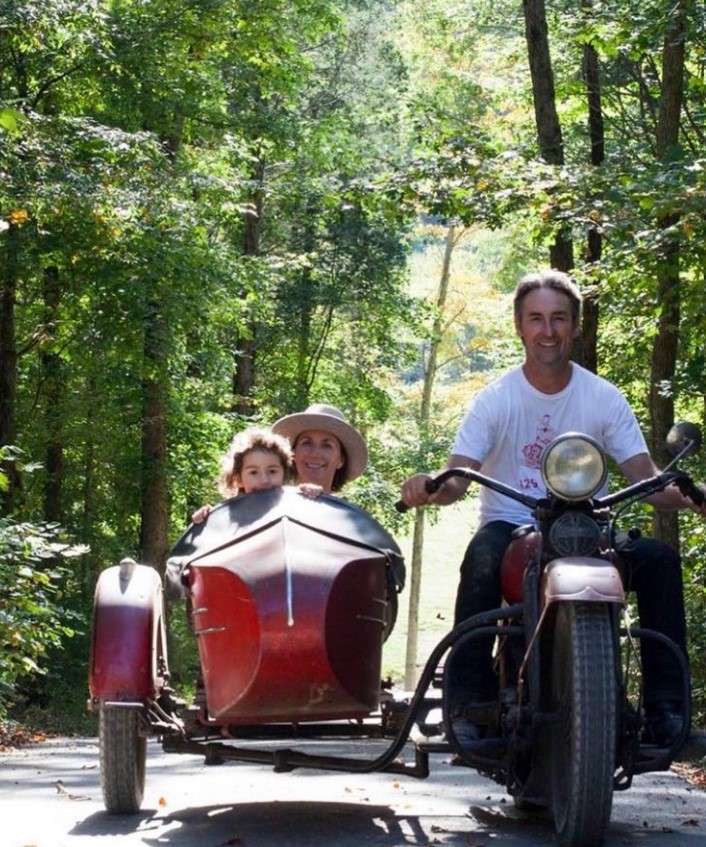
column 123, row 753
column 584, row 733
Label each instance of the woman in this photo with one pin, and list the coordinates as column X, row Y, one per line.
column 328, row 451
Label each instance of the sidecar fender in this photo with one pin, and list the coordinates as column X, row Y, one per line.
column 128, row 645
column 581, row 579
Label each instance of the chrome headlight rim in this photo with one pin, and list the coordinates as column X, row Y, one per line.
column 574, row 467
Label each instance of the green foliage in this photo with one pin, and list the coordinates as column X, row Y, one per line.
column 250, row 172
column 694, row 545
column 34, row 584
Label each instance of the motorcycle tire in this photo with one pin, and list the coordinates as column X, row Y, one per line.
column 583, row 735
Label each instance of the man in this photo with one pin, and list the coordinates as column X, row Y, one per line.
column 503, row 434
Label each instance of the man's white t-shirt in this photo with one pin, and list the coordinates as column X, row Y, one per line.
column 510, row 423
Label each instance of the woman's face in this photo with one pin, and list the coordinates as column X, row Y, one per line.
column 317, row 456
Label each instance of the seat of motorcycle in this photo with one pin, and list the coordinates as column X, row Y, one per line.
column 245, row 514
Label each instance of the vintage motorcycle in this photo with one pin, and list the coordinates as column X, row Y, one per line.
column 290, row 601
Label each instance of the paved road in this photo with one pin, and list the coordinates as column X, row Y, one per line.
column 50, row 797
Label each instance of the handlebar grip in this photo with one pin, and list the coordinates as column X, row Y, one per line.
column 431, row 486
column 696, row 495
column 689, row 489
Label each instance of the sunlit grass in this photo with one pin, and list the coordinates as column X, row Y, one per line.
column 444, row 545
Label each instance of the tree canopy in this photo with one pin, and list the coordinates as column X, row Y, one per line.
column 208, row 209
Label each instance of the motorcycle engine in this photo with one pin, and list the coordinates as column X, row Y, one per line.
column 575, row 534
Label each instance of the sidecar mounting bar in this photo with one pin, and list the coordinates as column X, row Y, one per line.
column 485, row 623
column 285, row 760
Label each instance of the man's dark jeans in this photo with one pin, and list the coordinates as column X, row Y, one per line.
column 652, row 571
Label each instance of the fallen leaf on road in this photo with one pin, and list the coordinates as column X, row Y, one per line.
column 59, row 785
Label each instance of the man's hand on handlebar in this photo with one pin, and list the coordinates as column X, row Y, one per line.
column 414, row 491
column 422, row 489
column 697, row 502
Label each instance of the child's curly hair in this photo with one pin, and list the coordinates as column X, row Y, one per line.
column 244, row 442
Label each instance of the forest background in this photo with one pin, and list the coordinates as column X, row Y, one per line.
column 211, row 213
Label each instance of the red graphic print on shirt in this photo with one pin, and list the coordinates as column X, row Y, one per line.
column 533, row 452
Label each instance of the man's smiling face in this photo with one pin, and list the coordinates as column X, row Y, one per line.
column 546, row 327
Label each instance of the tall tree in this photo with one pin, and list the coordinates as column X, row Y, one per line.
column 666, row 342
column 10, row 246
column 588, row 343
column 430, row 371
column 54, row 389
column 551, row 143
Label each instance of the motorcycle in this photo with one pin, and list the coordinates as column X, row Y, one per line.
column 568, row 727
column 290, row 601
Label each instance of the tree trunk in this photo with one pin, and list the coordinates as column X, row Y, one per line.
column 664, row 353
column 244, row 374
column 53, row 379
column 588, row 343
column 154, row 535
column 415, row 590
column 307, row 346
column 303, row 316
column 549, row 137
column 89, row 563
column 8, row 360
column 430, row 370
column 664, row 358
column 154, row 481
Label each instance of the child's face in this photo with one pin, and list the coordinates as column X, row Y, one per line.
column 261, row 470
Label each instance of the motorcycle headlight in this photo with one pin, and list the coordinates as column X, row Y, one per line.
column 574, row 467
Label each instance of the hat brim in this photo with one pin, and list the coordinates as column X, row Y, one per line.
column 292, row 426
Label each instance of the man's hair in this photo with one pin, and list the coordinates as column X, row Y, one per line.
column 556, row 280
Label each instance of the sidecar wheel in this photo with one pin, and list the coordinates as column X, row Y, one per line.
column 583, row 739
column 123, row 755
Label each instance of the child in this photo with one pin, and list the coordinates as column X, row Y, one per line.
column 257, row 460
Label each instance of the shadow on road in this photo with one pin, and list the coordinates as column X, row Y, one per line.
column 314, row 823
column 267, row 824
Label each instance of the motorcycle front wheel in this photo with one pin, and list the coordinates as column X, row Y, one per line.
column 583, row 735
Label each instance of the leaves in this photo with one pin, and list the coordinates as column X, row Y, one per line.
column 32, row 619
column 10, row 120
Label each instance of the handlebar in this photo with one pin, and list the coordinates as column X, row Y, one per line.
column 433, row 484
column 639, row 489
column 654, row 484
column 689, row 489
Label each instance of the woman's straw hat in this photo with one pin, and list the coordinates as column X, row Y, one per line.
column 328, row 419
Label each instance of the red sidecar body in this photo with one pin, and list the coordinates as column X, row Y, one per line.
column 290, row 600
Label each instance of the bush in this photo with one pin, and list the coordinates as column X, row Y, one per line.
column 33, row 620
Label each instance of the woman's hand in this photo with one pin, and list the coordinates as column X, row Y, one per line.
column 201, row 514
column 310, row 490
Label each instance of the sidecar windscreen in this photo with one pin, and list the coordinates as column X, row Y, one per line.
column 240, row 516
column 291, row 601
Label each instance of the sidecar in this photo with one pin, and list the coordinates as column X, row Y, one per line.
column 290, row 600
